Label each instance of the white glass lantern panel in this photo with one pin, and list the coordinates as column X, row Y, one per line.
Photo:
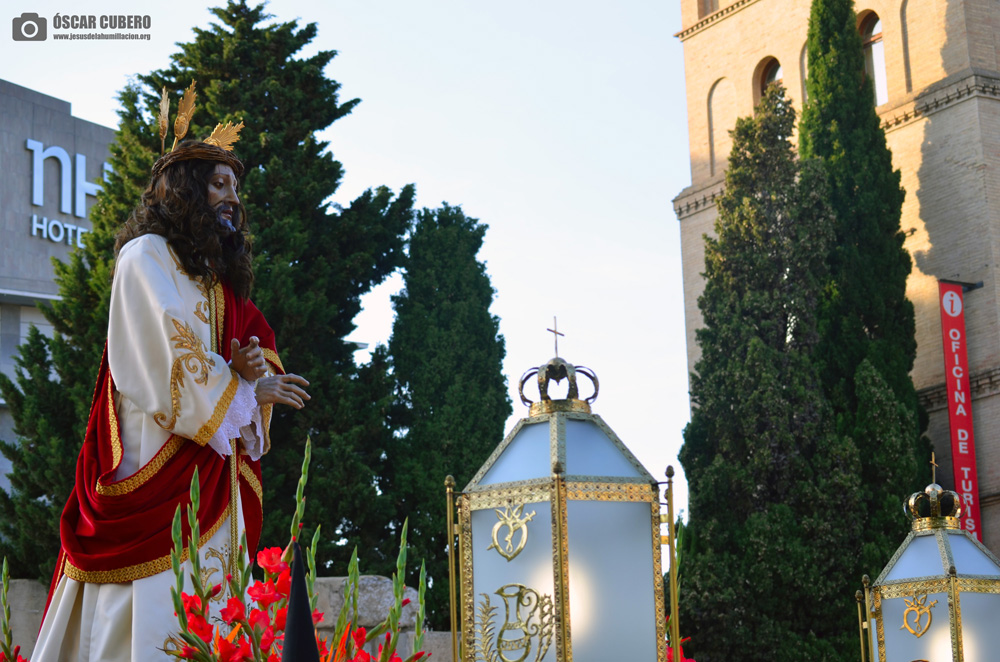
column 611, row 581
column 969, row 559
column 589, row 452
column 921, row 558
column 517, row 618
column 980, row 634
column 932, row 622
column 527, row 456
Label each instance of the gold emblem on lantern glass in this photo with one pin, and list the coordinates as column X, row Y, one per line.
column 512, row 519
column 529, row 622
column 913, row 615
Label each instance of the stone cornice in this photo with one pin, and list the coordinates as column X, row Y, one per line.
column 691, row 202
column 714, row 17
column 981, row 384
column 976, row 85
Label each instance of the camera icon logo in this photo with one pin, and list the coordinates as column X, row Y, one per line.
column 29, row 27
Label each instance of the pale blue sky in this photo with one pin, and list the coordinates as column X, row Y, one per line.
column 561, row 124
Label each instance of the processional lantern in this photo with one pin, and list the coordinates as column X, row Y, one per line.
column 559, row 540
column 939, row 597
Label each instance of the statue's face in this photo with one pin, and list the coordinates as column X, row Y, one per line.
column 222, row 197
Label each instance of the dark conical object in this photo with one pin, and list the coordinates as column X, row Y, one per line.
column 300, row 635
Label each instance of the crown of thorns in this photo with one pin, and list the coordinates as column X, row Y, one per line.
column 217, row 147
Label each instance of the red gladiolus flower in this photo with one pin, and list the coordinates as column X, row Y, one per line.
column 230, row 652
column 215, row 590
column 283, row 585
column 406, row 601
column 200, row 627
column 266, row 639
column 188, row 653
column 279, row 619
column 264, row 593
column 359, row 637
column 270, row 560
column 259, row 617
column 233, row 611
column 317, row 616
column 192, row 603
column 670, row 655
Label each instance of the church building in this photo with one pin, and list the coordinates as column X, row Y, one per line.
column 936, row 69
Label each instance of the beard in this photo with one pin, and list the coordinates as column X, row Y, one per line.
column 227, row 227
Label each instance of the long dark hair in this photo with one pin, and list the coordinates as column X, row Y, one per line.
column 175, row 206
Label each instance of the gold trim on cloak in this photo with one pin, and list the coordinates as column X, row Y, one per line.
column 272, row 356
column 150, row 469
column 252, row 481
column 139, row 570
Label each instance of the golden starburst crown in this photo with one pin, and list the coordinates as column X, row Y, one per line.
column 217, row 147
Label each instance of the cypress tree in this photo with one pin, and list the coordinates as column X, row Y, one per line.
column 447, row 355
column 864, row 315
column 312, row 266
column 768, row 547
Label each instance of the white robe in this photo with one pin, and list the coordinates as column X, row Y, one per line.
column 160, row 346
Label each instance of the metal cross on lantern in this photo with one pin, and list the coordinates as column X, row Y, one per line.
column 555, row 333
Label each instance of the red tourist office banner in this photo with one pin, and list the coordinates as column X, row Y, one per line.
column 959, row 393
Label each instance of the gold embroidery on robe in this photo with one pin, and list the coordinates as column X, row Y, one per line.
column 194, row 361
column 227, row 566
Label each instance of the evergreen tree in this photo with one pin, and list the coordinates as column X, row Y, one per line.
column 769, row 545
column 864, row 313
column 447, row 358
column 312, row 265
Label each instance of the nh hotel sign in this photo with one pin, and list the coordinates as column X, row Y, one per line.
column 73, row 191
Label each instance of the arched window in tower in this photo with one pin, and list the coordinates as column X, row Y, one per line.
column 871, row 36
column 768, row 71
column 804, row 70
column 721, row 119
column 707, row 7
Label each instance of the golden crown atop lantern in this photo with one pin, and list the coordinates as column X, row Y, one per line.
column 557, row 370
column 217, row 147
column 934, row 508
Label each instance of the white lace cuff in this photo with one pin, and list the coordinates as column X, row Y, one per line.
column 253, row 435
column 239, row 415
